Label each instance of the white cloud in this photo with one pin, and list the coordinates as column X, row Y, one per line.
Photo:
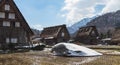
column 75, row 10
column 111, row 6
column 38, row 27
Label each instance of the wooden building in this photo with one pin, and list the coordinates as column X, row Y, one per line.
column 13, row 27
column 87, row 35
column 36, row 40
column 55, row 34
column 116, row 37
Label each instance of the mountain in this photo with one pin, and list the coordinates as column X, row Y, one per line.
column 35, row 31
column 72, row 29
column 106, row 22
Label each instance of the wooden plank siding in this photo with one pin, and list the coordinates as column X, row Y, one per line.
column 116, row 37
column 22, row 33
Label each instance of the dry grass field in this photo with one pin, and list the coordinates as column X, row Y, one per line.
column 46, row 58
column 105, row 47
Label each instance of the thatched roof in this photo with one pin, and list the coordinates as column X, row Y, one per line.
column 36, row 39
column 116, row 36
column 86, row 31
column 51, row 32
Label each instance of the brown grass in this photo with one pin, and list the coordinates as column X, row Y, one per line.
column 105, row 60
column 14, row 59
column 45, row 58
column 105, row 47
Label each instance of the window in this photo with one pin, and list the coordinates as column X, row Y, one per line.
column 14, row 40
column 6, row 23
column 87, row 29
column 7, row 7
column 17, row 24
column 93, row 32
column 63, row 34
column 2, row 15
column 7, row 40
column 11, row 16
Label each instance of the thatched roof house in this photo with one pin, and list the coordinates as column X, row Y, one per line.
column 87, row 35
column 36, row 40
column 55, row 34
column 13, row 27
column 116, row 37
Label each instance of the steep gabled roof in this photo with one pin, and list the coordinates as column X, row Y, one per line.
column 19, row 14
column 116, row 36
column 86, row 31
column 26, row 26
column 51, row 31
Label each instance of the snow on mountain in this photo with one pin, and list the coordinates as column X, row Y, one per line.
column 72, row 29
column 106, row 22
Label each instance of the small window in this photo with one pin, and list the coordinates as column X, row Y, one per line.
column 6, row 23
column 7, row 40
column 87, row 29
column 80, row 30
column 14, row 40
column 11, row 16
column 7, row 7
column 63, row 34
column 17, row 24
column 93, row 32
column 2, row 15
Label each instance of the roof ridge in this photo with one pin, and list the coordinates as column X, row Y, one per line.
column 55, row 26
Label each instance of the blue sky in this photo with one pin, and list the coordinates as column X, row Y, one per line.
column 41, row 12
column 45, row 13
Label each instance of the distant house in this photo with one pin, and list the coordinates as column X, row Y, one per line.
column 116, row 37
column 13, row 27
column 36, row 40
column 106, row 41
column 55, row 34
column 87, row 35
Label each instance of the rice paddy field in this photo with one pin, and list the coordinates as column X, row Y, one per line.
column 110, row 57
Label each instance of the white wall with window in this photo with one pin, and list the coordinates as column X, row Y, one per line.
column 7, row 40
column 6, row 23
column 11, row 16
column 7, row 7
column 2, row 14
column 14, row 40
column 17, row 24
